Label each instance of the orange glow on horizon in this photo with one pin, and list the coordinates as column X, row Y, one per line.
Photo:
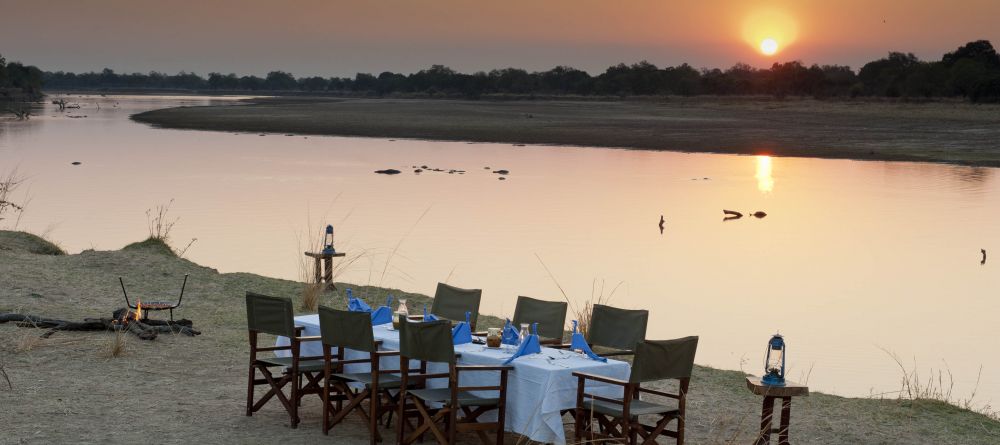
column 770, row 31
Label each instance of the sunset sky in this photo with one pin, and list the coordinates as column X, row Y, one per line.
column 329, row 37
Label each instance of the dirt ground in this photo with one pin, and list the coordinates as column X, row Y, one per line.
column 940, row 131
column 179, row 389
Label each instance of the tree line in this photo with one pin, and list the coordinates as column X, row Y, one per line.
column 18, row 77
column 971, row 71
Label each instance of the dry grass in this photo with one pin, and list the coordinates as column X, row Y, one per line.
column 159, row 222
column 116, row 344
column 3, row 373
column 311, row 294
column 936, row 385
column 583, row 313
column 8, row 187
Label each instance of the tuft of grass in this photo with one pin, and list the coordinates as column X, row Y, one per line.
column 3, row 373
column 582, row 314
column 159, row 222
column 28, row 342
column 311, row 294
column 116, row 344
column 936, row 385
column 8, row 186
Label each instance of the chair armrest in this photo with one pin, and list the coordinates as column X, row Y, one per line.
column 440, row 375
column 600, row 378
column 309, row 338
column 483, row 368
column 480, row 334
column 617, row 353
column 274, row 348
column 386, row 353
column 559, row 346
column 660, row 393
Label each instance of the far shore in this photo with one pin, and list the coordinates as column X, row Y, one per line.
column 936, row 131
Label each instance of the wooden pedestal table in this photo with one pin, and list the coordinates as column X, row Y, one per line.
column 324, row 267
column 770, row 393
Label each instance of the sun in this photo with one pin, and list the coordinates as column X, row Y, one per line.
column 768, row 46
column 770, row 31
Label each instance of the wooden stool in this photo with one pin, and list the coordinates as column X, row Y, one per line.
column 324, row 261
column 770, row 393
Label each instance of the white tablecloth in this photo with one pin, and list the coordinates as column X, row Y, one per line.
column 537, row 389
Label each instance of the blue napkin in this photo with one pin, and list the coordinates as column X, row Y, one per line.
column 355, row 304
column 383, row 314
column 428, row 317
column 509, row 335
column 462, row 333
column 579, row 343
column 529, row 346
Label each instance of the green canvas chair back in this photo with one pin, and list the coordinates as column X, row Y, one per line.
column 270, row 315
column 550, row 315
column 345, row 329
column 452, row 303
column 428, row 341
column 663, row 359
column 617, row 328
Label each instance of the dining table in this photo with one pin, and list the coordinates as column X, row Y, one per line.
column 539, row 388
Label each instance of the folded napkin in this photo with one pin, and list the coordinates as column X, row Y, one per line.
column 383, row 314
column 428, row 317
column 355, row 304
column 462, row 332
column 509, row 335
column 579, row 343
column 529, row 346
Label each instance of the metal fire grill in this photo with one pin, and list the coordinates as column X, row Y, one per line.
column 155, row 305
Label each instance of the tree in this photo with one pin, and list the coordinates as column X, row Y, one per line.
column 980, row 51
column 314, row 83
column 280, row 80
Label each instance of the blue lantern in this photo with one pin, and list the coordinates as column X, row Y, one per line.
column 328, row 241
column 774, row 362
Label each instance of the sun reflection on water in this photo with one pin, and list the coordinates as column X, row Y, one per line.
column 765, row 182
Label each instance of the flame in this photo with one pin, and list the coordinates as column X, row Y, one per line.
column 138, row 310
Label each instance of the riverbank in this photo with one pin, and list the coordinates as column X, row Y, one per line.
column 939, row 131
column 182, row 389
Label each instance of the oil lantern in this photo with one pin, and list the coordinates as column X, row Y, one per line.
column 774, row 362
column 328, row 241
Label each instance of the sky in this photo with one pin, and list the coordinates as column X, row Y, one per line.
column 341, row 38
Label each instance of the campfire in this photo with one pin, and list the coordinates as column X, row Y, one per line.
column 124, row 319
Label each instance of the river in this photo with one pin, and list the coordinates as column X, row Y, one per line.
column 855, row 259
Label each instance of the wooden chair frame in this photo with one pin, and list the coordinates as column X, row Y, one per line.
column 337, row 391
column 291, row 374
column 628, row 428
column 448, row 414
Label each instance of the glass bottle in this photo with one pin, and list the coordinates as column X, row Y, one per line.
column 523, row 334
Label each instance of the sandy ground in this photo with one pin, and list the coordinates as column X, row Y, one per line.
column 946, row 131
column 178, row 389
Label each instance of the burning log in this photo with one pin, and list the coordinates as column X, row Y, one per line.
column 122, row 319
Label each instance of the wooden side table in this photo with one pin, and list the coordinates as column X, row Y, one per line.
column 324, row 267
column 770, row 393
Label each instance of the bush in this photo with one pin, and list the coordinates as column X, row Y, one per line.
column 986, row 91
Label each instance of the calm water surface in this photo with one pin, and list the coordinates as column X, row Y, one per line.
column 853, row 257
